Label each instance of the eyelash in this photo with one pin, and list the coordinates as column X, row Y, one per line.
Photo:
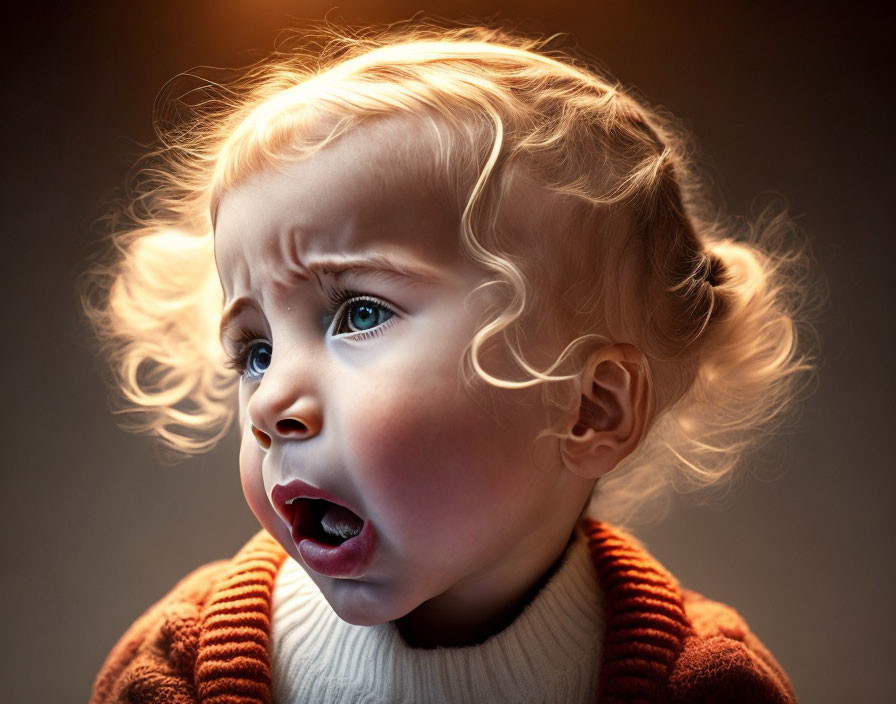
column 339, row 299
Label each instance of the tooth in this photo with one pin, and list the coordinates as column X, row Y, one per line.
column 340, row 523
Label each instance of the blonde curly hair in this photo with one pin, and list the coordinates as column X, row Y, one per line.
column 638, row 255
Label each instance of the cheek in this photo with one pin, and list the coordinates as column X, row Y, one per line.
column 425, row 453
column 251, row 477
column 252, row 481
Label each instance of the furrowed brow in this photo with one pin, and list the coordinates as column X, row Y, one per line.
column 380, row 265
column 393, row 268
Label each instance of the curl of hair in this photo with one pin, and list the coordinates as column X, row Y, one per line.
column 715, row 311
column 754, row 359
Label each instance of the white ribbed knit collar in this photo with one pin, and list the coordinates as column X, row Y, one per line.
column 550, row 653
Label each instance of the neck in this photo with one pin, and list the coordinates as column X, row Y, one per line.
column 451, row 621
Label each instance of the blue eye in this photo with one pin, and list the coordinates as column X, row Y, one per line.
column 360, row 315
column 258, row 359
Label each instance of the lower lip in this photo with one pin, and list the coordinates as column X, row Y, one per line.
column 346, row 561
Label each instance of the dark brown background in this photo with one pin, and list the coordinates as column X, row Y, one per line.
column 783, row 98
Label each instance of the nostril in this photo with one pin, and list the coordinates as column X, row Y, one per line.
column 291, row 426
column 262, row 437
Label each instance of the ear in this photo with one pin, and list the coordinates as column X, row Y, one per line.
column 613, row 411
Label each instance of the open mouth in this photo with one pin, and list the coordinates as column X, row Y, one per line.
column 325, row 522
column 331, row 539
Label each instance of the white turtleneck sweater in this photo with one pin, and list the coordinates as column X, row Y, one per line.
column 550, row 653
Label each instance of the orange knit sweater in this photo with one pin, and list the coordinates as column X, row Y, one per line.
column 207, row 640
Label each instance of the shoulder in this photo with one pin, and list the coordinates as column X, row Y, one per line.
column 722, row 660
column 157, row 651
column 662, row 638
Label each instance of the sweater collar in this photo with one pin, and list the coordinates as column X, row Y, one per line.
column 645, row 631
column 646, row 624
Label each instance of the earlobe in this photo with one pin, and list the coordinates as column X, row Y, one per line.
column 612, row 412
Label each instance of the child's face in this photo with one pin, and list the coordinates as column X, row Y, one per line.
column 367, row 406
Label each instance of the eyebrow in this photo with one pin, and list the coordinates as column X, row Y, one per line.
column 379, row 264
column 373, row 264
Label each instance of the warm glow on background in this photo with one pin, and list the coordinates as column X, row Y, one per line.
column 782, row 98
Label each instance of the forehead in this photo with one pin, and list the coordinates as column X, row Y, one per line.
column 376, row 189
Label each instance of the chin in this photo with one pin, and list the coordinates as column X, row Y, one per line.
column 361, row 603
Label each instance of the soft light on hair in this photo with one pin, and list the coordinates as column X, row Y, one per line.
column 636, row 255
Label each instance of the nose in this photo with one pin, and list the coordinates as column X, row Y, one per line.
column 284, row 407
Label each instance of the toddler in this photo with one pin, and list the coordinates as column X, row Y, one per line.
column 476, row 312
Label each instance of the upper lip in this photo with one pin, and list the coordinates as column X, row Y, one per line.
column 282, row 494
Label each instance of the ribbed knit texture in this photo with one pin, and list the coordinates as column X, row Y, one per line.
column 548, row 653
column 232, row 664
column 645, row 616
column 208, row 640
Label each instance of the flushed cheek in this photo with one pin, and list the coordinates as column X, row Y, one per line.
column 432, row 468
